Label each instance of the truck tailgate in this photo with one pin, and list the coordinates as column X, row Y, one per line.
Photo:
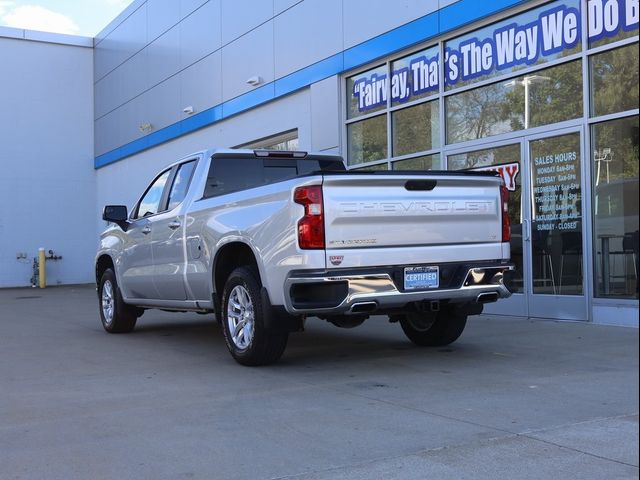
column 411, row 210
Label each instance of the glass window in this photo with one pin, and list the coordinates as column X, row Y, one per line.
column 291, row 144
column 150, row 203
column 367, row 92
column 372, row 168
column 556, row 218
column 310, row 165
column 611, row 20
column 228, row 175
column 180, row 184
column 615, row 207
column 534, row 37
column 367, row 140
column 505, row 160
column 424, row 162
column 614, row 80
column 282, row 141
column 416, row 129
column 278, row 172
column 415, row 76
column 544, row 97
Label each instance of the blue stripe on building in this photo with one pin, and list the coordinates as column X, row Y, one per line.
column 424, row 28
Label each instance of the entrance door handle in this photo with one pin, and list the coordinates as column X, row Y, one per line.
column 146, row 230
column 173, row 225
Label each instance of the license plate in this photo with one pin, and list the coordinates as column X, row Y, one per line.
column 420, row 278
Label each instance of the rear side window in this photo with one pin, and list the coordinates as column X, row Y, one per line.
column 180, row 184
column 228, row 175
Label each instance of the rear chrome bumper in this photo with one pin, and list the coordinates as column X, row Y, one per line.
column 353, row 293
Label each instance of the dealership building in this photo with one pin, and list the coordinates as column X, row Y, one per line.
column 545, row 93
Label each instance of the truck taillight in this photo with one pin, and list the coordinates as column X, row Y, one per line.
column 311, row 226
column 506, row 221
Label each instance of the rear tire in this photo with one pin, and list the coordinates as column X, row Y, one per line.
column 116, row 316
column 433, row 329
column 246, row 334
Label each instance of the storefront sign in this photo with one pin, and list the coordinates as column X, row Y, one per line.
column 508, row 171
column 556, row 29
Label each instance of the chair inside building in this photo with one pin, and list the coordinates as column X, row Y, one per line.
column 544, row 280
column 624, row 265
column 570, row 261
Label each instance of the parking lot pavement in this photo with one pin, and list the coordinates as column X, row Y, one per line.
column 512, row 398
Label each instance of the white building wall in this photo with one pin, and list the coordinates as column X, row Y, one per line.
column 123, row 182
column 47, row 180
column 148, row 60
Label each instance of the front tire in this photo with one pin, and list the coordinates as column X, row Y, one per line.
column 246, row 334
column 116, row 316
column 433, row 329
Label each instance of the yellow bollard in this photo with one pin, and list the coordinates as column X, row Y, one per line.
column 41, row 268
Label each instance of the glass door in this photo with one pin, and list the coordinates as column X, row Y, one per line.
column 543, row 176
column 553, row 236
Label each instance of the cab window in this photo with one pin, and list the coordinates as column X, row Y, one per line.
column 150, row 203
column 180, row 184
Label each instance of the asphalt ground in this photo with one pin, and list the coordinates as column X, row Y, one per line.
column 512, row 398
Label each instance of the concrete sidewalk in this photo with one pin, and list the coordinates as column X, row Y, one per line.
column 511, row 399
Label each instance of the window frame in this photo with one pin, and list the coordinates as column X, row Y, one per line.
column 134, row 213
column 174, row 174
column 164, row 198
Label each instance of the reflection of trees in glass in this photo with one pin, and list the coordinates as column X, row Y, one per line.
column 620, row 35
column 424, row 162
column 367, row 140
column 557, row 99
column 615, row 167
column 485, row 158
column 415, row 129
column 615, row 204
column 555, row 96
column 476, row 113
column 614, row 80
column 371, row 168
column 621, row 138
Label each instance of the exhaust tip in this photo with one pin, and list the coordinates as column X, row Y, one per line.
column 363, row 307
column 487, row 297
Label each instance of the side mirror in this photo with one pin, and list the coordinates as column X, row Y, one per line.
column 116, row 214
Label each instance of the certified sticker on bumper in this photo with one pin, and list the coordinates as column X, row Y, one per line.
column 421, row 278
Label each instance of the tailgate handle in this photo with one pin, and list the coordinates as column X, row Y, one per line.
column 413, row 185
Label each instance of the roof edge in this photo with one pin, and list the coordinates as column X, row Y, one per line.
column 46, row 37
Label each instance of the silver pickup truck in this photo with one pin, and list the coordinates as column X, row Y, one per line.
column 265, row 239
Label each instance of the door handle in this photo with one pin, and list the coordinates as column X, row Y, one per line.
column 146, row 230
column 173, row 225
column 526, row 225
